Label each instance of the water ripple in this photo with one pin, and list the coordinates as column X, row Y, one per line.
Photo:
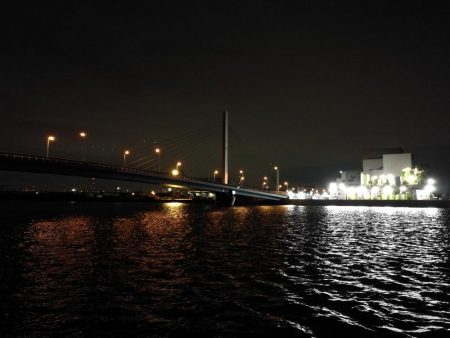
column 186, row 269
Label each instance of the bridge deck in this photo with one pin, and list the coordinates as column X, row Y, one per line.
column 38, row 164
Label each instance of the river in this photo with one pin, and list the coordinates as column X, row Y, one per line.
column 111, row 269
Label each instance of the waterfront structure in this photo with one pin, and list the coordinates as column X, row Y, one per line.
column 388, row 174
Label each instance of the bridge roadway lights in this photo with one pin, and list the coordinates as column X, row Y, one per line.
column 225, row 199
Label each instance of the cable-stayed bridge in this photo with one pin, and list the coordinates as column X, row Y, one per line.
column 44, row 165
column 137, row 172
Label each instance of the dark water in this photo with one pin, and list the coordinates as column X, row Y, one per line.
column 178, row 270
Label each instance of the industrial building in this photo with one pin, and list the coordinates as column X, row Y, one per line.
column 388, row 174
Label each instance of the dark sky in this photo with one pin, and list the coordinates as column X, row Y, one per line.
column 308, row 84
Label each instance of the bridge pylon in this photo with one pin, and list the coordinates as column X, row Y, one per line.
column 225, row 148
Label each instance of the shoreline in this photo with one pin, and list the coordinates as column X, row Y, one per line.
column 128, row 198
column 374, row 203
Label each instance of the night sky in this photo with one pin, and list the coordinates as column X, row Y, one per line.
column 308, row 84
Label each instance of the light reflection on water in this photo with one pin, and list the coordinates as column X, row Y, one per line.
column 176, row 269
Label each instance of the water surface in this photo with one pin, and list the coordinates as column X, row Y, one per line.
column 169, row 270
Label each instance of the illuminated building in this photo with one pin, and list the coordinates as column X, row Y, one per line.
column 388, row 174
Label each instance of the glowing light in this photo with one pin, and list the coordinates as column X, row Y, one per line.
column 126, row 152
column 83, row 134
column 333, row 188
column 350, row 190
column 275, row 168
column 157, row 150
column 362, row 191
column 175, row 172
column 49, row 139
column 216, row 172
column 391, row 179
column 429, row 188
column 387, row 190
column 431, row 181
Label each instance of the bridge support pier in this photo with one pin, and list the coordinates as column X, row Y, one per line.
column 225, row 199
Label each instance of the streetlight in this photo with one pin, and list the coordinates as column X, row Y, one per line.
column 83, row 136
column 241, row 176
column 214, row 175
column 49, row 139
column 277, row 177
column 287, row 185
column 175, row 172
column 158, row 152
column 178, row 165
column 125, row 154
column 265, row 183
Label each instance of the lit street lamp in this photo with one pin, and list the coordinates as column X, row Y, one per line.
column 265, row 182
column 214, row 175
column 277, row 177
column 287, row 185
column 241, row 176
column 178, row 165
column 83, row 136
column 49, row 139
column 125, row 154
column 175, row 172
column 158, row 152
